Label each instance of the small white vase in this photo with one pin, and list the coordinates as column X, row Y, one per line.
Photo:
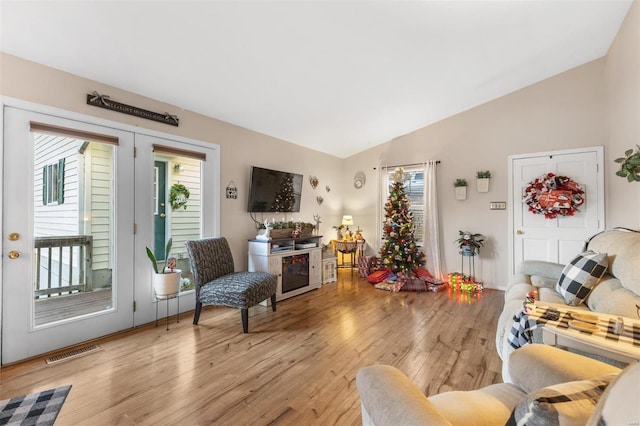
column 461, row 193
column 483, row 184
column 166, row 284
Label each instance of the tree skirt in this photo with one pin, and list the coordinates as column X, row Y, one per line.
column 39, row 408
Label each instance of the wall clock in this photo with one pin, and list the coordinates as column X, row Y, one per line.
column 359, row 180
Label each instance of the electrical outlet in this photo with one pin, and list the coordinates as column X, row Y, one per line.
column 498, row 205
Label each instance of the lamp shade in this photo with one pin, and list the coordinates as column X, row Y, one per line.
column 347, row 220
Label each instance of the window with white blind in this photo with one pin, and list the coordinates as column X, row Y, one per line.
column 414, row 187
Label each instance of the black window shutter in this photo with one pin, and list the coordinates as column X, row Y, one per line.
column 61, row 181
column 44, row 186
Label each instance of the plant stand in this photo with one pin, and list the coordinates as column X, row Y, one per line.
column 166, row 298
column 471, row 256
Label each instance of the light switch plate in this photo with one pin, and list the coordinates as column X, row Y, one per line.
column 498, row 205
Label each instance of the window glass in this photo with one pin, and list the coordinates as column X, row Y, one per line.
column 414, row 187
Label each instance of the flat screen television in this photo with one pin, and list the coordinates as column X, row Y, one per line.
column 274, row 191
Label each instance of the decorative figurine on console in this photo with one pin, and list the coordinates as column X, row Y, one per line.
column 316, row 219
column 263, row 234
column 297, row 231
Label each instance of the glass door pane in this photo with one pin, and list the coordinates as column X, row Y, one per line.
column 72, row 227
column 177, row 209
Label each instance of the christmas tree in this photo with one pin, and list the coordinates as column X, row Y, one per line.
column 399, row 252
column 284, row 199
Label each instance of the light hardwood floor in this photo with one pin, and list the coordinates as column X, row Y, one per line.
column 296, row 365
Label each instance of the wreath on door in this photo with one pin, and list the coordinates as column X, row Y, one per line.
column 178, row 196
column 553, row 196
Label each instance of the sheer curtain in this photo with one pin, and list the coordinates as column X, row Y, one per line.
column 432, row 245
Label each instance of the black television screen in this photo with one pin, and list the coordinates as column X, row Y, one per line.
column 274, row 191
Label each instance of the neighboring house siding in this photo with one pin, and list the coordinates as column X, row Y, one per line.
column 99, row 203
column 185, row 224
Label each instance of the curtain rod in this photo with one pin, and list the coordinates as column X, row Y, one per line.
column 405, row 165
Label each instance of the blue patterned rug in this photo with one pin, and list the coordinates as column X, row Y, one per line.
column 40, row 408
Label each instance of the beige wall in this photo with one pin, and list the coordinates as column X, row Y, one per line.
column 622, row 80
column 240, row 148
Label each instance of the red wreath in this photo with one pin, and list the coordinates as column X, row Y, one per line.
column 553, row 195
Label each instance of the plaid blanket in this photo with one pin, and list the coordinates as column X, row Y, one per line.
column 521, row 332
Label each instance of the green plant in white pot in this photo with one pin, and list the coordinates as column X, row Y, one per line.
column 460, row 186
column 166, row 281
column 482, row 182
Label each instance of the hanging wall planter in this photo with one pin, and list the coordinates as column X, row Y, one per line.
column 460, row 187
column 482, row 182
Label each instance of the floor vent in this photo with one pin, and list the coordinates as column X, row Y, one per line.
column 76, row 353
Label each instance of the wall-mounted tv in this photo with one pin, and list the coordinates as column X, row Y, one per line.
column 274, row 191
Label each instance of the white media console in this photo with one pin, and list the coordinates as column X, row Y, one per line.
column 297, row 262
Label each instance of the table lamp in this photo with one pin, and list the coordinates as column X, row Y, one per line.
column 346, row 221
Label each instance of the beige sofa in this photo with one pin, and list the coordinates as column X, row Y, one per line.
column 538, row 372
column 617, row 293
column 549, row 386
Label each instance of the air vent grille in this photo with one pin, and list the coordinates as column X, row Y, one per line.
column 73, row 354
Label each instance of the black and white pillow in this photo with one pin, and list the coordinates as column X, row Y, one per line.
column 570, row 403
column 580, row 276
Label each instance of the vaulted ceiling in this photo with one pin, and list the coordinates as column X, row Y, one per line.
column 335, row 76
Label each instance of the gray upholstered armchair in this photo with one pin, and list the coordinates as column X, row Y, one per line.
column 217, row 283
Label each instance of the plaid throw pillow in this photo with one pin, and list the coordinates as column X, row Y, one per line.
column 570, row 403
column 580, row 276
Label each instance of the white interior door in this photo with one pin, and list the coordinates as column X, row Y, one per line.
column 534, row 237
column 68, row 209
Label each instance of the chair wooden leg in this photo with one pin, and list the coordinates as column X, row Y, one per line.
column 245, row 320
column 273, row 302
column 196, row 315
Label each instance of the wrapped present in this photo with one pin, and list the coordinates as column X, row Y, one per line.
column 366, row 265
column 377, row 276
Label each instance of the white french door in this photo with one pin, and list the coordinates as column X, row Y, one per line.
column 78, row 212
column 52, row 198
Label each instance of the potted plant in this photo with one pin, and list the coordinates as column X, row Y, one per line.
column 482, row 182
column 166, row 281
column 284, row 229
column 460, row 186
column 630, row 165
column 469, row 243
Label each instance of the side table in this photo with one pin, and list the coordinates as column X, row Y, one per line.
column 167, row 297
column 353, row 248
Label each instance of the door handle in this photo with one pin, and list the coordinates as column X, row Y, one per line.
column 14, row 254
column 519, row 232
column 163, row 215
column 14, row 236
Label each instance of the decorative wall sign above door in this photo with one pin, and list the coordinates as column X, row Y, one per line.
column 103, row 101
